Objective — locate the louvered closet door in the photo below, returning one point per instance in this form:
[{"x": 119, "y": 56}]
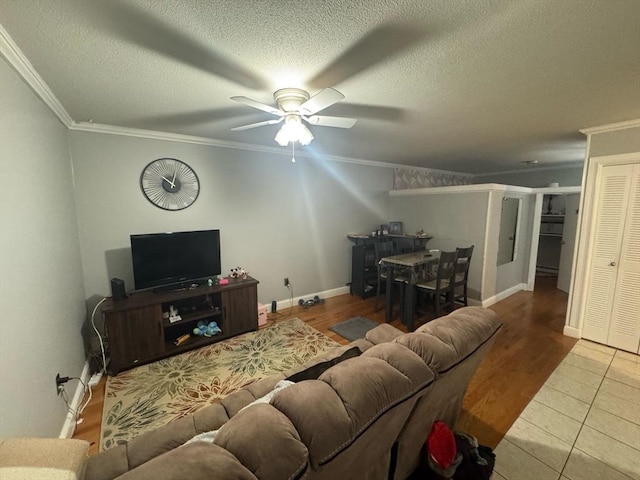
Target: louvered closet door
[
  {"x": 624, "y": 331},
  {"x": 611, "y": 307}
]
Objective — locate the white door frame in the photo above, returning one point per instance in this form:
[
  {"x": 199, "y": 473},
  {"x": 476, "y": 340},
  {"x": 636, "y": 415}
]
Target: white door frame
[
  {"x": 568, "y": 241},
  {"x": 535, "y": 231},
  {"x": 584, "y": 242}
]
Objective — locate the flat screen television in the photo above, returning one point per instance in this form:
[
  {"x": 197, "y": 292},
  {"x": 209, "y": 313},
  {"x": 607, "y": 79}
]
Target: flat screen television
[{"x": 165, "y": 259}]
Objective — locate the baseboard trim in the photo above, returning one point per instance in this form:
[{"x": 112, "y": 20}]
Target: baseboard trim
[
  {"x": 570, "y": 331},
  {"x": 334, "y": 292},
  {"x": 504, "y": 294},
  {"x": 69, "y": 426}
]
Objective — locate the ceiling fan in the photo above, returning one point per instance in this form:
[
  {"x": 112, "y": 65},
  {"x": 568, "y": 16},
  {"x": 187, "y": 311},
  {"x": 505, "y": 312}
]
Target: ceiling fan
[{"x": 296, "y": 106}]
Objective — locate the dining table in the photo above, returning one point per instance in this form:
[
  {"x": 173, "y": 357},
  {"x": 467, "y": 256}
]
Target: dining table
[{"x": 408, "y": 266}]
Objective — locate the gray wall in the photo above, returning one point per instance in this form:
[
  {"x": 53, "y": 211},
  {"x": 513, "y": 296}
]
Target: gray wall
[
  {"x": 41, "y": 289},
  {"x": 566, "y": 177},
  {"x": 277, "y": 219},
  {"x": 453, "y": 219}
]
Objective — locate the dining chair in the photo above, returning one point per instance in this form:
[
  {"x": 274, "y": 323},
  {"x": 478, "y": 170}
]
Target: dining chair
[
  {"x": 461, "y": 275},
  {"x": 441, "y": 287},
  {"x": 386, "y": 249},
  {"x": 382, "y": 249}
]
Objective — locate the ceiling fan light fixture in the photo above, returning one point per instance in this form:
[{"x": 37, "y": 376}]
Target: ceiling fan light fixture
[{"x": 293, "y": 130}]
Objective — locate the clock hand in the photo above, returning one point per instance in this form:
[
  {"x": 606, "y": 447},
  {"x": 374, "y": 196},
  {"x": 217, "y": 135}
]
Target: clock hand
[
  {"x": 173, "y": 185},
  {"x": 174, "y": 176}
]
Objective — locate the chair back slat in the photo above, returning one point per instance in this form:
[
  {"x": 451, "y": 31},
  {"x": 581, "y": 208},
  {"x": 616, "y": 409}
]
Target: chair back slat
[
  {"x": 383, "y": 249},
  {"x": 462, "y": 274},
  {"x": 446, "y": 268}
]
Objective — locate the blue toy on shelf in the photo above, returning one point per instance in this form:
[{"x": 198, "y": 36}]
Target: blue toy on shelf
[{"x": 207, "y": 330}]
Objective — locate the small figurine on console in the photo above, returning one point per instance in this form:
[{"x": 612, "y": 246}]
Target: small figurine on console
[{"x": 238, "y": 272}]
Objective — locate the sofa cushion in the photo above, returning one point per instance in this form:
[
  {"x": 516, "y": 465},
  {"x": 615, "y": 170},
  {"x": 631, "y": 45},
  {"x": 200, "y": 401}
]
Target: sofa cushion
[
  {"x": 313, "y": 371},
  {"x": 331, "y": 412},
  {"x": 197, "y": 461},
  {"x": 163, "y": 439},
  {"x": 210, "y": 418},
  {"x": 383, "y": 333},
  {"x": 446, "y": 341},
  {"x": 236, "y": 401},
  {"x": 265, "y": 441}
]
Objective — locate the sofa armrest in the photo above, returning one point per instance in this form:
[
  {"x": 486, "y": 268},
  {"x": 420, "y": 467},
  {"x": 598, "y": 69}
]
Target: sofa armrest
[{"x": 43, "y": 458}]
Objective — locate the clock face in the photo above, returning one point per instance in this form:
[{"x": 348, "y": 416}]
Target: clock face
[{"x": 169, "y": 184}]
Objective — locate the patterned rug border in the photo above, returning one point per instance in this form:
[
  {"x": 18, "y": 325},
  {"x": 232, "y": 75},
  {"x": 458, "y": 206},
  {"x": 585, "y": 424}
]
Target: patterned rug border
[{"x": 151, "y": 395}]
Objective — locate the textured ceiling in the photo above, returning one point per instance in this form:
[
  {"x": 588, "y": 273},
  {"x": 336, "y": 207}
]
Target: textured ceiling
[{"x": 462, "y": 85}]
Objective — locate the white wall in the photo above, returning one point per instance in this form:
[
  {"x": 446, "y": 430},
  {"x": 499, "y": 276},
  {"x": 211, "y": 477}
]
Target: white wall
[
  {"x": 41, "y": 289},
  {"x": 515, "y": 273},
  {"x": 277, "y": 219},
  {"x": 454, "y": 220}
]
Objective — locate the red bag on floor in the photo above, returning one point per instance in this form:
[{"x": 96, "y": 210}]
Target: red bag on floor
[{"x": 442, "y": 450}]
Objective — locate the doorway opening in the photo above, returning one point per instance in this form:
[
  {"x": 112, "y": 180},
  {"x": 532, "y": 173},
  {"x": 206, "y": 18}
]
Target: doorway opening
[{"x": 554, "y": 238}]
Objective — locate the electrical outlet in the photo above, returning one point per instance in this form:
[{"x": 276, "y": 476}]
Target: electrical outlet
[
  {"x": 59, "y": 384},
  {"x": 286, "y": 282},
  {"x": 60, "y": 381}
]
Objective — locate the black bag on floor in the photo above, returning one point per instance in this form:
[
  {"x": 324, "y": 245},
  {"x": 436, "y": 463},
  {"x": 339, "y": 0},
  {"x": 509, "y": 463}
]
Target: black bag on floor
[{"x": 477, "y": 460}]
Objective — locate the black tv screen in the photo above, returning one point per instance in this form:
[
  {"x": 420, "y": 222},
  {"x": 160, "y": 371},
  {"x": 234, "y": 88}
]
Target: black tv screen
[{"x": 161, "y": 259}]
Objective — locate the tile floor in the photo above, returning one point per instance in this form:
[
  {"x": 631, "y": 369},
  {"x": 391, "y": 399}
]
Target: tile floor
[{"x": 583, "y": 424}]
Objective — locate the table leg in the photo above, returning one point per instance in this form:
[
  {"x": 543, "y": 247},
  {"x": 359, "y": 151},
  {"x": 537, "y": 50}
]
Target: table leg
[
  {"x": 409, "y": 296},
  {"x": 388, "y": 294}
]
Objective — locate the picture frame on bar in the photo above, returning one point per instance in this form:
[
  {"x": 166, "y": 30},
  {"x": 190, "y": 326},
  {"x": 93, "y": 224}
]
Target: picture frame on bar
[{"x": 395, "y": 228}]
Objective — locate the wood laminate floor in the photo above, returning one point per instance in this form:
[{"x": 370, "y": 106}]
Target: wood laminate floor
[{"x": 527, "y": 350}]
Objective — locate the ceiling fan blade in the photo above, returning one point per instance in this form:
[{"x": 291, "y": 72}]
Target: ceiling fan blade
[
  {"x": 321, "y": 100},
  {"x": 325, "y": 121},
  {"x": 141, "y": 28},
  {"x": 260, "y": 106},
  {"x": 196, "y": 117},
  {"x": 375, "y": 47},
  {"x": 371, "y": 112},
  {"x": 259, "y": 124}
]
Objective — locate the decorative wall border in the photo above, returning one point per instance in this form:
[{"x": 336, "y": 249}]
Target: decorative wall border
[{"x": 406, "y": 178}]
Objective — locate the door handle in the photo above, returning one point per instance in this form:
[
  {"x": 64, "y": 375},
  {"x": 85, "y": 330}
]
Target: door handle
[{"x": 612, "y": 264}]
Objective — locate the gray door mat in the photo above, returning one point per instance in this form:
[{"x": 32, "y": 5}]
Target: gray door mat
[{"x": 354, "y": 328}]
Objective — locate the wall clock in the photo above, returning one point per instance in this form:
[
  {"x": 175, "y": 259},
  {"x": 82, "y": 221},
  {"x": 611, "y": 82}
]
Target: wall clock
[{"x": 169, "y": 184}]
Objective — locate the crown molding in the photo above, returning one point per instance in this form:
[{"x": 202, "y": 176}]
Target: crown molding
[
  {"x": 14, "y": 56},
  {"x": 534, "y": 169},
  {"x": 308, "y": 152},
  {"x": 611, "y": 127}
]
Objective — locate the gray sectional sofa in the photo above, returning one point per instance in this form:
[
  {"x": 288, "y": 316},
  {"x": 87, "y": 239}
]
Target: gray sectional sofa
[{"x": 365, "y": 417}]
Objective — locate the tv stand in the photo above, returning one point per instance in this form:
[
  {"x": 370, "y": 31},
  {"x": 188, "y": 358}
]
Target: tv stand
[
  {"x": 174, "y": 287},
  {"x": 138, "y": 330}
]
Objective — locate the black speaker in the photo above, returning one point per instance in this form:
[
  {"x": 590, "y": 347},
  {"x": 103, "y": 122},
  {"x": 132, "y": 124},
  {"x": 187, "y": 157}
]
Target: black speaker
[
  {"x": 274, "y": 306},
  {"x": 117, "y": 289}
]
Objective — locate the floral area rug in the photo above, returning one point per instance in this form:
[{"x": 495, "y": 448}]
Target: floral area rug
[{"x": 146, "y": 397}]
